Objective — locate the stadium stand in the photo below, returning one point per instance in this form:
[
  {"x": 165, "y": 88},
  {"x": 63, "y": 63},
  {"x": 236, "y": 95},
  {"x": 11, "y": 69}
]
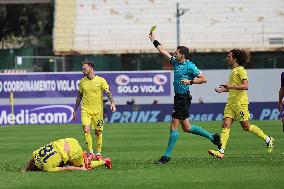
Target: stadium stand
[
  {"x": 24, "y": 1},
  {"x": 64, "y": 25},
  {"x": 100, "y": 26}
]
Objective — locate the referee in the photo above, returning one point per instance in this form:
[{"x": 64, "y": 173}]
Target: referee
[{"x": 186, "y": 74}]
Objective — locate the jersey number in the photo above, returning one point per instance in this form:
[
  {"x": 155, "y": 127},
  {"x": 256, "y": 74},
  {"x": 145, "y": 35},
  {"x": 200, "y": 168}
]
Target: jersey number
[
  {"x": 46, "y": 152},
  {"x": 100, "y": 123}
]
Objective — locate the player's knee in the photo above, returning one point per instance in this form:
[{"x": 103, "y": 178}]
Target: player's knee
[
  {"x": 185, "y": 129},
  {"x": 245, "y": 128},
  {"x": 226, "y": 125},
  {"x": 86, "y": 130},
  {"x": 98, "y": 132},
  {"x": 245, "y": 125}
]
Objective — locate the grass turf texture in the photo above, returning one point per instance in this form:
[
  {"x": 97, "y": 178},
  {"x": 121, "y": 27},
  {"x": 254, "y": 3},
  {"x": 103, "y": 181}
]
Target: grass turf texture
[{"x": 133, "y": 149}]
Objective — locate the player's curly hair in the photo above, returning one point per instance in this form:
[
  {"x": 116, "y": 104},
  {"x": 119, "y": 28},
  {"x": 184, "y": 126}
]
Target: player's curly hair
[
  {"x": 31, "y": 166},
  {"x": 184, "y": 51},
  {"x": 242, "y": 56},
  {"x": 90, "y": 63}
]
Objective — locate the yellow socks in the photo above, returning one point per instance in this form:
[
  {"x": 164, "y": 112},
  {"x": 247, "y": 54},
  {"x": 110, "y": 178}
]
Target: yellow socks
[
  {"x": 99, "y": 142},
  {"x": 254, "y": 129},
  {"x": 224, "y": 137},
  {"x": 96, "y": 163},
  {"x": 89, "y": 142}
]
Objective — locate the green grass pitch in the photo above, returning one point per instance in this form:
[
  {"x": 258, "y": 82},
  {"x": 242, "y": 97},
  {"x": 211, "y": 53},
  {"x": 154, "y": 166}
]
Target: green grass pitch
[{"x": 133, "y": 149}]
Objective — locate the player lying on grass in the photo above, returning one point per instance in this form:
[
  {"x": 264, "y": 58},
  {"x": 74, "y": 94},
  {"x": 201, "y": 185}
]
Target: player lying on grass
[
  {"x": 237, "y": 103},
  {"x": 62, "y": 155}
]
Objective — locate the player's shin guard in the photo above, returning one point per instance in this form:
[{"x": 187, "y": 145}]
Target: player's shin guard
[
  {"x": 89, "y": 142},
  {"x": 172, "y": 141},
  {"x": 225, "y": 134},
  {"x": 99, "y": 142},
  {"x": 96, "y": 163},
  {"x": 194, "y": 129},
  {"x": 254, "y": 129}
]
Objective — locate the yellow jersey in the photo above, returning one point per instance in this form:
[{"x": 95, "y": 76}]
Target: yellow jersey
[
  {"x": 51, "y": 156},
  {"x": 92, "y": 91},
  {"x": 236, "y": 77}
]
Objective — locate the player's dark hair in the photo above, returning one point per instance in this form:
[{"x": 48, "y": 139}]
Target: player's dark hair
[
  {"x": 90, "y": 63},
  {"x": 184, "y": 51},
  {"x": 242, "y": 56},
  {"x": 31, "y": 166}
]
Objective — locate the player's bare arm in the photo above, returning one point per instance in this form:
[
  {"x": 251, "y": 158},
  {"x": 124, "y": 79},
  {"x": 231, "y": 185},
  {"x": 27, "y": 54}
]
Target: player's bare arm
[
  {"x": 160, "y": 47},
  {"x": 221, "y": 89},
  {"x": 200, "y": 78},
  {"x": 78, "y": 101},
  {"x": 243, "y": 86},
  {"x": 71, "y": 168},
  {"x": 112, "y": 104}
]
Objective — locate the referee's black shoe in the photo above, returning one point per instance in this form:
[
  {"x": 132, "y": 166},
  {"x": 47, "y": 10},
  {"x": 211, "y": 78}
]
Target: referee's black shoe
[
  {"x": 217, "y": 140},
  {"x": 163, "y": 160}
]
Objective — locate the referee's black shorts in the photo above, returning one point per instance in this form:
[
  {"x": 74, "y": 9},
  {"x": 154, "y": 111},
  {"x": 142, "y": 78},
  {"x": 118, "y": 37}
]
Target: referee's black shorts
[{"x": 181, "y": 106}]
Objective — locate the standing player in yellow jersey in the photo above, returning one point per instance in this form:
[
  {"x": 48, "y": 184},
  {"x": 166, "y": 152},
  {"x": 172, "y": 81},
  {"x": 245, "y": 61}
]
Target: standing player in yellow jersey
[
  {"x": 237, "y": 104},
  {"x": 62, "y": 155},
  {"x": 91, "y": 90}
]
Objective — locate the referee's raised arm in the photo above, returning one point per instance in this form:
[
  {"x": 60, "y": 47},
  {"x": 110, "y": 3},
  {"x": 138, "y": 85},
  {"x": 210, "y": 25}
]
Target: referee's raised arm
[{"x": 160, "y": 48}]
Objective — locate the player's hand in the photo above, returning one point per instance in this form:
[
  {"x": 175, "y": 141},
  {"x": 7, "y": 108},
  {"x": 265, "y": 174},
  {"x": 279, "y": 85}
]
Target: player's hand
[
  {"x": 88, "y": 166},
  {"x": 113, "y": 107},
  {"x": 74, "y": 116},
  {"x": 185, "y": 81},
  {"x": 83, "y": 168},
  {"x": 225, "y": 85},
  {"x": 152, "y": 36},
  {"x": 220, "y": 89}
]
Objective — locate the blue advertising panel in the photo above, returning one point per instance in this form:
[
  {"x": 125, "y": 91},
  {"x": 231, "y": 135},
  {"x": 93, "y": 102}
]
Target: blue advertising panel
[
  {"x": 62, "y": 114},
  {"x": 38, "y": 114},
  {"x": 198, "y": 112},
  {"x": 140, "y": 83},
  {"x": 66, "y": 85}
]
